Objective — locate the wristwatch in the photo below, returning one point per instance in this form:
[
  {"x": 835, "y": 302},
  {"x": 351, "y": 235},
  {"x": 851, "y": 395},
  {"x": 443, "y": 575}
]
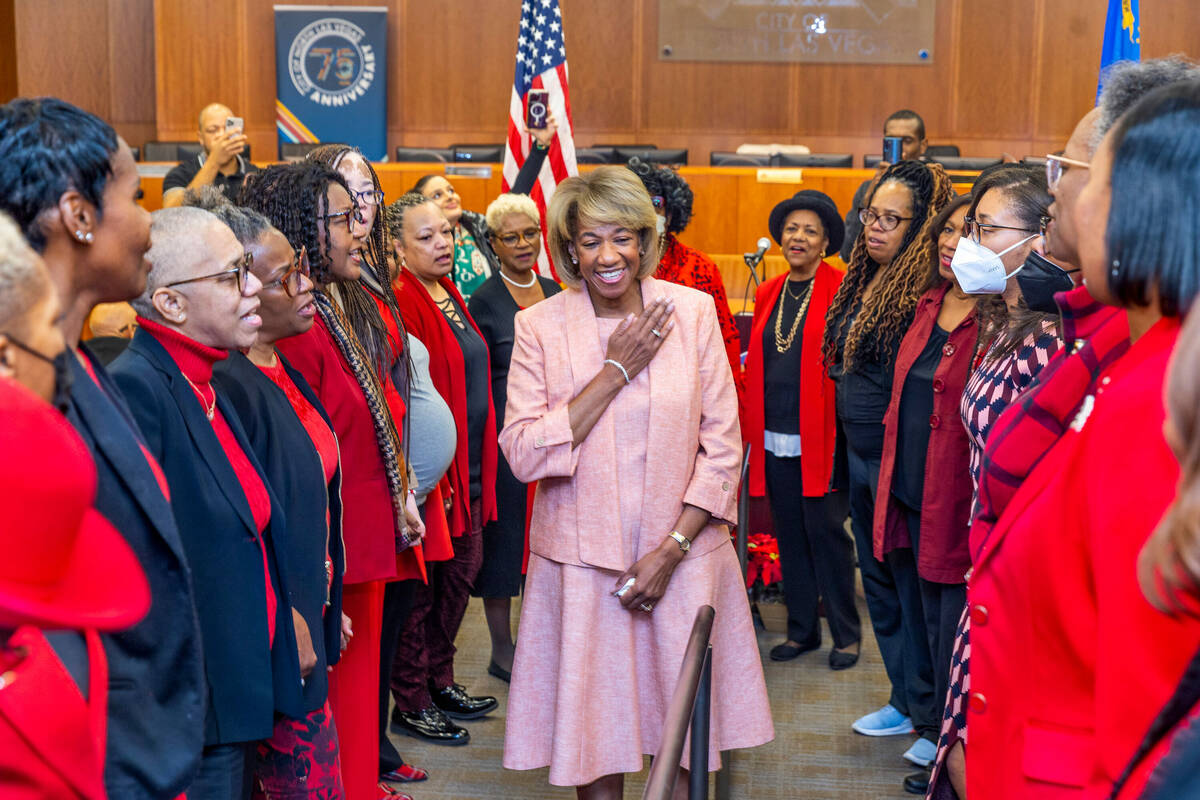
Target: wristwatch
[{"x": 684, "y": 543}]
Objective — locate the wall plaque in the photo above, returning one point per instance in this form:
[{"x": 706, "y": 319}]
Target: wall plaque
[{"x": 819, "y": 31}]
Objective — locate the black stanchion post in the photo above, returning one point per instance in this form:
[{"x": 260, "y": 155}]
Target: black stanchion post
[{"x": 698, "y": 777}]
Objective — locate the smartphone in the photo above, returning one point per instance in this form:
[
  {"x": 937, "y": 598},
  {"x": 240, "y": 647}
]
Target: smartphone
[
  {"x": 537, "y": 108},
  {"x": 892, "y": 149},
  {"x": 235, "y": 122}
]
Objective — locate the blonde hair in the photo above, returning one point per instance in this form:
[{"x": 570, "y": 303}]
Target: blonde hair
[
  {"x": 607, "y": 195},
  {"x": 1169, "y": 564},
  {"x": 510, "y": 203}
]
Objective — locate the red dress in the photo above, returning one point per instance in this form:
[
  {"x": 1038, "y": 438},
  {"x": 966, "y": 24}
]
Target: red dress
[
  {"x": 1069, "y": 662},
  {"x": 689, "y": 267}
]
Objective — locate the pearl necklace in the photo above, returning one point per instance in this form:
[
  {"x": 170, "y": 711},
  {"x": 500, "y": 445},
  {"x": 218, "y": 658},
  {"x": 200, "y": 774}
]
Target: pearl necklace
[{"x": 532, "y": 280}]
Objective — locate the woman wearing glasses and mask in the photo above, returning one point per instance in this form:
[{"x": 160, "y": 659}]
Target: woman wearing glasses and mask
[
  {"x": 312, "y": 207},
  {"x": 516, "y": 237},
  {"x": 873, "y": 307}
]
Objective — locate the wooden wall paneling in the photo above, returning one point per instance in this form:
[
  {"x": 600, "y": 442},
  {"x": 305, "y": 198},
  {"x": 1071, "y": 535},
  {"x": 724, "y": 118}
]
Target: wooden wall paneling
[
  {"x": 607, "y": 70},
  {"x": 996, "y": 74},
  {"x": 8, "y": 51},
  {"x": 1068, "y": 64},
  {"x": 131, "y": 69},
  {"x": 199, "y": 48},
  {"x": 1170, "y": 26},
  {"x": 62, "y": 50}
]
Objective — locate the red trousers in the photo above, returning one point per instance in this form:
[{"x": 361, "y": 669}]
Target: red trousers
[{"x": 354, "y": 691}]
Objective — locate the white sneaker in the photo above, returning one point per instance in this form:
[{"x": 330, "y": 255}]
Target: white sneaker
[
  {"x": 921, "y": 753},
  {"x": 887, "y": 721}
]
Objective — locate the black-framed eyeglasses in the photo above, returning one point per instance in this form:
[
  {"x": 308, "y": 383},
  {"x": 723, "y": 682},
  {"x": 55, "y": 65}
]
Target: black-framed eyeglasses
[
  {"x": 1057, "y": 165},
  {"x": 240, "y": 271},
  {"x": 367, "y": 197},
  {"x": 887, "y": 222},
  {"x": 975, "y": 229},
  {"x": 290, "y": 280},
  {"x": 531, "y": 235},
  {"x": 351, "y": 215},
  {"x": 658, "y": 200}
]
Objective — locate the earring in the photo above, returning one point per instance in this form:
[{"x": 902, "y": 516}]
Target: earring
[
  {"x": 822, "y": 253},
  {"x": 1116, "y": 263},
  {"x": 79, "y": 235},
  {"x": 574, "y": 260},
  {"x": 87, "y": 237}
]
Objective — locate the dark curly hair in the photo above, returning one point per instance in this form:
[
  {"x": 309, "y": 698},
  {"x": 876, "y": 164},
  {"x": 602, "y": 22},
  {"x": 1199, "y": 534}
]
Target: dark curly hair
[
  {"x": 50, "y": 146},
  {"x": 248, "y": 225},
  {"x": 668, "y": 184},
  {"x": 376, "y": 262},
  {"x": 294, "y": 196},
  {"x": 880, "y": 324}
]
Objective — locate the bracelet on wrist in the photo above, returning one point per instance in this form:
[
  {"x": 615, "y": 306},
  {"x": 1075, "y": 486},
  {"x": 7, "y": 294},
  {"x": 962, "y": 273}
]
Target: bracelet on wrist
[
  {"x": 540, "y": 146},
  {"x": 619, "y": 366}
]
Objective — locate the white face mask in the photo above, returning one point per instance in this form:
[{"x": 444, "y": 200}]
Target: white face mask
[{"x": 979, "y": 270}]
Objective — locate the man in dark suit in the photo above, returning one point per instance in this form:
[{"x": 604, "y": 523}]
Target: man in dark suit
[
  {"x": 72, "y": 186},
  {"x": 199, "y": 303}
]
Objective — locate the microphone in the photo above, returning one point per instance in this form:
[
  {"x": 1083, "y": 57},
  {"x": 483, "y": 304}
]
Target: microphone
[{"x": 755, "y": 258}]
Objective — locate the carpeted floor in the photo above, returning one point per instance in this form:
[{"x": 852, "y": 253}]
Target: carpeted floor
[{"x": 815, "y": 755}]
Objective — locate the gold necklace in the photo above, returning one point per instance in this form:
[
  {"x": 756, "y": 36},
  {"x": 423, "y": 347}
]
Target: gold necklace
[
  {"x": 209, "y": 410},
  {"x": 782, "y": 344}
]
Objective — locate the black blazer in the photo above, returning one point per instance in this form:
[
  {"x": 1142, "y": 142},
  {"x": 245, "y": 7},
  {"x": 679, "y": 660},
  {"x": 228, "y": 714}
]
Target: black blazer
[
  {"x": 246, "y": 683},
  {"x": 156, "y": 700},
  {"x": 294, "y": 471}
]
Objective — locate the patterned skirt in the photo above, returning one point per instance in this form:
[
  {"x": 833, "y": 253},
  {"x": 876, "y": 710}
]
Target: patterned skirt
[
  {"x": 954, "y": 720},
  {"x": 300, "y": 760}
]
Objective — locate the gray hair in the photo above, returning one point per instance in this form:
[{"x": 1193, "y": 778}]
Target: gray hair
[
  {"x": 23, "y": 277},
  {"x": 247, "y": 224},
  {"x": 177, "y": 243},
  {"x": 510, "y": 203},
  {"x": 1126, "y": 82}
]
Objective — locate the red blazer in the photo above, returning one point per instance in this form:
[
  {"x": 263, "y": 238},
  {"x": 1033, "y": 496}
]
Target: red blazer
[
  {"x": 818, "y": 416},
  {"x": 368, "y": 521},
  {"x": 946, "y": 497},
  {"x": 52, "y": 740},
  {"x": 1069, "y": 663},
  {"x": 448, "y": 371}
]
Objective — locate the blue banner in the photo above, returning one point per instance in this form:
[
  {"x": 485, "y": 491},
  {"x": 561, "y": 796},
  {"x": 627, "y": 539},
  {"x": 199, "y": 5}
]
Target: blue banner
[
  {"x": 330, "y": 76},
  {"x": 1122, "y": 37}
]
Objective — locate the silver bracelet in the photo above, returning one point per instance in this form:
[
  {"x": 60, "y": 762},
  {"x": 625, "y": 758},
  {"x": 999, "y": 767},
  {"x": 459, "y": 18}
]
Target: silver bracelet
[{"x": 619, "y": 366}]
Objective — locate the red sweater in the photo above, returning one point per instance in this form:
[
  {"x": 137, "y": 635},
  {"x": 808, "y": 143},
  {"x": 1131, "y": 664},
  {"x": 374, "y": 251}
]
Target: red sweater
[
  {"x": 818, "y": 416},
  {"x": 196, "y": 361},
  {"x": 448, "y": 371}
]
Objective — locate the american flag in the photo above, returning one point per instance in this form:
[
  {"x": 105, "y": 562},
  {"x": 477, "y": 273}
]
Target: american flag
[{"x": 541, "y": 64}]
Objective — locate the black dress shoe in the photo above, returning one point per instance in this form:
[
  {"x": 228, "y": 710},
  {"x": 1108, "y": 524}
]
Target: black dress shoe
[
  {"x": 839, "y": 660},
  {"x": 455, "y": 701},
  {"x": 917, "y": 782},
  {"x": 431, "y": 725},
  {"x": 787, "y": 651},
  {"x": 497, "y": 671}
]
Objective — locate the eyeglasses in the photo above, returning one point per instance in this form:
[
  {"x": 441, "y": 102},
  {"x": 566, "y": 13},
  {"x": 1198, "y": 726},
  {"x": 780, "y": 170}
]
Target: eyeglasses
[
  {"x": 291, "y": 279},
  {"x": 1057, "y": 165},
  {"x": 240, "y": 271},
  {"x": 353, "y": 213},
  {"x": 531, "y": 235},
  {"x": 975, "y": 229},
  {"x": 367, "y": 197},
  {"x": 658, "y": 200},
  {"x": 887, "y": 222}
]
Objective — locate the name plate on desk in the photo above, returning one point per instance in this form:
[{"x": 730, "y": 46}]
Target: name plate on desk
[
  {"x": 472, "y": 171},
  {"x": 777, "y": 175}
]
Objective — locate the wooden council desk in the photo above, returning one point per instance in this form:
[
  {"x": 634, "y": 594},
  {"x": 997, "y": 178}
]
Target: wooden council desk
[{"x": 729, "y": 213}]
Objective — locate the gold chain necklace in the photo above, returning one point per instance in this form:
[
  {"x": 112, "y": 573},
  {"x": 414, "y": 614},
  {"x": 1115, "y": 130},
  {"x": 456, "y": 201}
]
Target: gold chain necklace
[
  {"x": 209, "y": 410},
  {"x": 782, "y": 344}
]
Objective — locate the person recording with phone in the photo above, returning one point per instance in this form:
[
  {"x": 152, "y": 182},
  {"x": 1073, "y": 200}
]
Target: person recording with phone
[{"x": 222, "y": 164}]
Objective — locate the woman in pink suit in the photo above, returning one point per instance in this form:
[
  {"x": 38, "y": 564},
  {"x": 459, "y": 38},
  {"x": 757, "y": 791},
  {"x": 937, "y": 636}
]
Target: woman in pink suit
[{"x": 621, "y": 403}]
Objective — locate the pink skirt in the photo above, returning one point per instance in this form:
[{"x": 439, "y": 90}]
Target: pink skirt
[{"x": 591, "y": 681}]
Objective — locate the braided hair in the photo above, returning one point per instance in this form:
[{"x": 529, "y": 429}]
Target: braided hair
[
  {"x": 362, "y": 311},
  {"x": 293, "y": 196},
  {"x": 879, "y": 325},
  {"x": 395, "y": 212}
]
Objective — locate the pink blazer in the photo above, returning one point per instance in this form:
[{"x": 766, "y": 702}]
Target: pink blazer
[{"x": 692, "y": 443}]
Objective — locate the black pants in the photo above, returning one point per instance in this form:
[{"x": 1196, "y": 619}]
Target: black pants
[
  {"x": 943, "y": 603},
  {"x": 924, "y": 703},
  {"x": 226, "y": 772},
  {"x": 864, "y": 451},
  {"x": 397, "y": 603},
  {"x": 816, "y": 555}
]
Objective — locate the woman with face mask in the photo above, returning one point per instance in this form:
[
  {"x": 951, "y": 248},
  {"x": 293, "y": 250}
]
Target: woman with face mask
[
  {"x": 1069, "y": 662},
  {"x": 873, "y": 307},
  {"x": 1001, "y": 234}
]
